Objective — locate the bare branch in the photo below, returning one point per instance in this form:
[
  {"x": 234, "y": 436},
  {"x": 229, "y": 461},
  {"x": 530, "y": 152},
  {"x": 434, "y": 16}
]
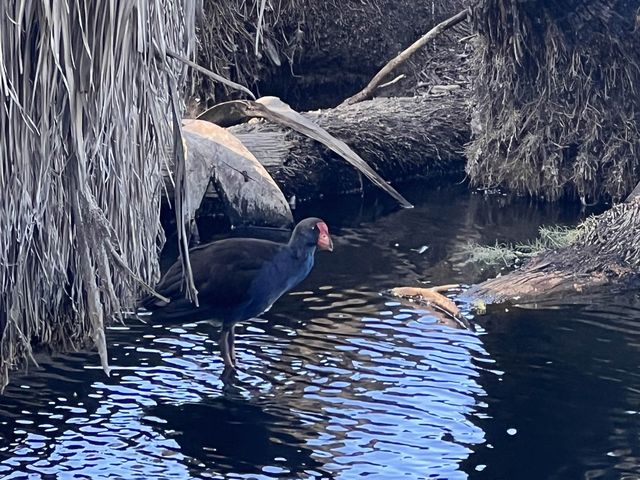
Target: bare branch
[{"x": 367, "y": 92}]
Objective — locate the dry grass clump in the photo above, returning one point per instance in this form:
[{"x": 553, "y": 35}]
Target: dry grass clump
[
  {"x": 556, "y": 98},
  {"x": 85, "y": 132}
]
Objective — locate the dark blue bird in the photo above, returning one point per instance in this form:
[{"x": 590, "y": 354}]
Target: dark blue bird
[{"x": 240, "y": 278}]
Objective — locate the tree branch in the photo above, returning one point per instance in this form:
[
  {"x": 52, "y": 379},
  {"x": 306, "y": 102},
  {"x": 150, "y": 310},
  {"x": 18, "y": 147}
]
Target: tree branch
[{"x": 367, "y": 92}]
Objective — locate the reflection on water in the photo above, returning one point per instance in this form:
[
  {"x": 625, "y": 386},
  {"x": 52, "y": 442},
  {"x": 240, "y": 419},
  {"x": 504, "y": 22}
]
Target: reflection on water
[
  {"x": 572, "y": 392},
  {"x": 375, "y": 388},
  {"x": 233, "y": 435},
  {"x": 339, "y": 381}
]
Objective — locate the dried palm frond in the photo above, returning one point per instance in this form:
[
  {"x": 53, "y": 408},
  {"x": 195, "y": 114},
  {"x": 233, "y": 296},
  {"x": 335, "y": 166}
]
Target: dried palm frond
[
  {"x": 556, "y": 98},
  {"x": 85, "y": 126}
]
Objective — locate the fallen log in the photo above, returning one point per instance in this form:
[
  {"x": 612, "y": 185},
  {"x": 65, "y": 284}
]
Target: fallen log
[
  {"x": 607, "y": 253},
  {"x": 276, "y": 111},
  {"x": 400, "y": 138}
]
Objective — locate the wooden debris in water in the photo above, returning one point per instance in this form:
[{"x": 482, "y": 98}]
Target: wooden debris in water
[{"x": 431, "y": 297}]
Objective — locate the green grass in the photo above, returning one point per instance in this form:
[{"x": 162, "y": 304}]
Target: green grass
[{"x": 510, "y": 255}]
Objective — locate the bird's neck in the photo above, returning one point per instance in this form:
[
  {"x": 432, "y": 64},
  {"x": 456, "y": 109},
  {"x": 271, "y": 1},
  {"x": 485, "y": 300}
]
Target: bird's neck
[{"x": 301, "y": 252}]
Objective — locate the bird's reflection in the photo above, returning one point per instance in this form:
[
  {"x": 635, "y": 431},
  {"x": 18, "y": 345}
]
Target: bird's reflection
[{"x": 228, "y": 435}]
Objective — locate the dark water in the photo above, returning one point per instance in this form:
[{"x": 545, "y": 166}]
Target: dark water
[{"x": 339, "y": 381}]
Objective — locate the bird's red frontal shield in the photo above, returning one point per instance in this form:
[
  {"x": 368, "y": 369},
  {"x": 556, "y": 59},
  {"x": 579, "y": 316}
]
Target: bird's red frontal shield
[{"x": 324, "y": 240}]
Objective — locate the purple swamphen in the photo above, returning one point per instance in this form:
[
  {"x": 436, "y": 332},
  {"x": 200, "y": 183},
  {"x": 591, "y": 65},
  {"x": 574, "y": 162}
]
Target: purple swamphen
[{"x": 239, "y": 278}]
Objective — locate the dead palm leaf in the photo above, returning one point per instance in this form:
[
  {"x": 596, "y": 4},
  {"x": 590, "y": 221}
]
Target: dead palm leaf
[{"x": 84, "y": 134}]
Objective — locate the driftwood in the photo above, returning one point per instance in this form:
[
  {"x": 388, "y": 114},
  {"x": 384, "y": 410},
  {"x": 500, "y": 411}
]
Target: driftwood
[
  {"x": 400, "y": 138},
  {"x": 431, "y": 296},
  {"x": 445, "y": 310}
]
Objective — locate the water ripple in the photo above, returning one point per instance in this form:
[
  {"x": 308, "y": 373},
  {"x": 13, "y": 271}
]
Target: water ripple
[{"x": 337, "y": 381}]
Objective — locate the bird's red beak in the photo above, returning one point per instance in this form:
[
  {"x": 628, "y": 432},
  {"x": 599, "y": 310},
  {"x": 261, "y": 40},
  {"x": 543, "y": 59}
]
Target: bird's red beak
[{"x": 324, "y": 240}]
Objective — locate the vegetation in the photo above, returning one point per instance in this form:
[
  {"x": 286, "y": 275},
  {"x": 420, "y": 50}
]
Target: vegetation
[
  {"x": 555, "y": 98},
  {"x": 92, "y": 113},
  {"x": 605, "y": 251},
  {"x": 511, "y": 255},
  {"x": 318, "y": 53},
  {"x": 85, "y": 135},
  {"x": 555, "y": 113}
]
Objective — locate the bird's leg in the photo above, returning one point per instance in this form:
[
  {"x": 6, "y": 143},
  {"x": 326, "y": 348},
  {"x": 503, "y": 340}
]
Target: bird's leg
[
  {"x": 231, "y": 337},
  {"x": 224, "y": 347}
]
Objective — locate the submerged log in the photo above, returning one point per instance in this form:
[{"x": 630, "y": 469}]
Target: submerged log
[
  {"x": 400, "y": 138},
  {"x": 431, "y": 297}
]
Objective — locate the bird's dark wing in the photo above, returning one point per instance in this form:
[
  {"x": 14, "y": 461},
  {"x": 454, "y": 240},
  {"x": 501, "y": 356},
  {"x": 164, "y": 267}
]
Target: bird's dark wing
[{"x": 222, "y": 272}]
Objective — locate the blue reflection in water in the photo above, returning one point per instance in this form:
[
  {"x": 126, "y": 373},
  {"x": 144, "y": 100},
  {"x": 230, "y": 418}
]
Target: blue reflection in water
[
  {"x": 336, "y": 382},
  {"x": 385, "y": 395},
  {"x": 403, "y": 405}
]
